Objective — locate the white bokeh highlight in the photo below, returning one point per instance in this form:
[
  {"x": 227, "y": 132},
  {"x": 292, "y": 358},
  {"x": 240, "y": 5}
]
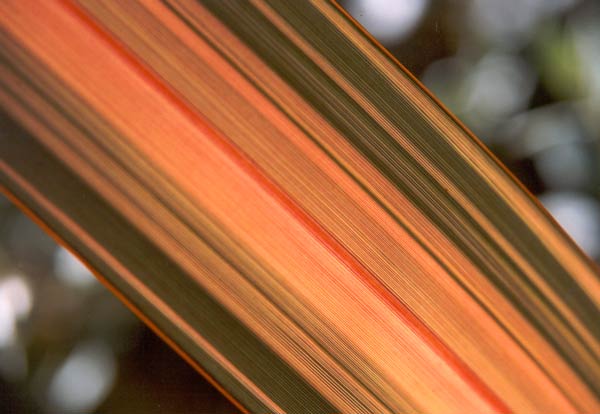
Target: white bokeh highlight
[
  {"x": 389, "y": 21},
  {"x": 84, "y": 379}
]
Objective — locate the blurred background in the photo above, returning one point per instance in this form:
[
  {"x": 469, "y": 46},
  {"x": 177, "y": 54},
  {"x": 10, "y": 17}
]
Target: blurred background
[{"x": 524, "y": 75}]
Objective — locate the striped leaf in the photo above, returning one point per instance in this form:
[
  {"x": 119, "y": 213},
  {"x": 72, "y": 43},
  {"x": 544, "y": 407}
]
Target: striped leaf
[{"x": 291, "y": 210}]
